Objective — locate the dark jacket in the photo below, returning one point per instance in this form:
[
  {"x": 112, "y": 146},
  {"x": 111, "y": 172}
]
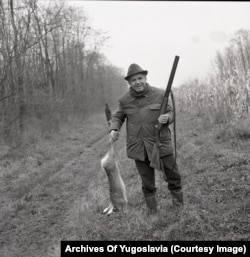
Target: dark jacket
[{"x": 141, "y": 114}]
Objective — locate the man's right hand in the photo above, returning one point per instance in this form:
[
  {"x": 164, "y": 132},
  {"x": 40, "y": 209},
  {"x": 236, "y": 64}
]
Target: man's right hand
[{"x": 114, "y": 135}]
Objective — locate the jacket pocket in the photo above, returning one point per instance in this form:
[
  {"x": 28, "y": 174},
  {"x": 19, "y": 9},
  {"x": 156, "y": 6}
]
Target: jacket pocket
[{"x": 153, "y": 113}]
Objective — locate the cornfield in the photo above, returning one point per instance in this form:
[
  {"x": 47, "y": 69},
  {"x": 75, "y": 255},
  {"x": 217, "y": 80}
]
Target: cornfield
[{"x": 225, "y": 92}]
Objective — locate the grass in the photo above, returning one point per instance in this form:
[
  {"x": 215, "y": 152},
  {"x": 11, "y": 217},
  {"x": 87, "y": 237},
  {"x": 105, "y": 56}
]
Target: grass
[
  {"x": 216, "y": 191},
  {"x": 54, "y": 189}
]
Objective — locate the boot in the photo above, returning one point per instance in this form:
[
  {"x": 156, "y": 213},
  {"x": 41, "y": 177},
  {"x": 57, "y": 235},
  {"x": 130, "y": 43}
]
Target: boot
[
  {"x": 177, "y": 197},
  {"x": 151, "y": 204}
]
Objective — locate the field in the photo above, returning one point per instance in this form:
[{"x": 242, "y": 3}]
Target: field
[{"x": 55, "y": 190}]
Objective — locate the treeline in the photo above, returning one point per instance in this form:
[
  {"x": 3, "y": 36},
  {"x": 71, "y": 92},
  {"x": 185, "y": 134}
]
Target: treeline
[
  {"x": 50, "y": 68},
  {"x": 225, "y": 94}
]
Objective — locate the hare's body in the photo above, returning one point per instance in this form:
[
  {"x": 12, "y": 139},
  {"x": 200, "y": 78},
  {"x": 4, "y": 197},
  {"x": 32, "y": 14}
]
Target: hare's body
[{"x": 117, "y": 189}]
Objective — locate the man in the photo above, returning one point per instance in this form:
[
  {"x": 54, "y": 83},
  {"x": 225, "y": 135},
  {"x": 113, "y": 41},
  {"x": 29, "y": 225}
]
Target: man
[{"x": 140, "y": 108}]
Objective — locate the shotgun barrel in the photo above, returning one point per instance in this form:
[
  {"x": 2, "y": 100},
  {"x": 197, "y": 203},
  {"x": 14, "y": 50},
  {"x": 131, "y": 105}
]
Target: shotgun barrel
[{"x": 155, "y": 159}]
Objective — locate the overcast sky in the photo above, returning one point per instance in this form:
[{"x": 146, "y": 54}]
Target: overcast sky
[{"x": 151, "y": 33}]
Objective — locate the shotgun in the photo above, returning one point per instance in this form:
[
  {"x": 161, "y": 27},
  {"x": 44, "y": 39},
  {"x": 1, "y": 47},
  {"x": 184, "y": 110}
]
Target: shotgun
[{"x": 156, "y": 162}]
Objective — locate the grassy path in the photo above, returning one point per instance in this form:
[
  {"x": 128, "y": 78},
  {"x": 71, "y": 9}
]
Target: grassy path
[
  {"x": 55, "y": 190},
  {"x": 41, "y": 187}
]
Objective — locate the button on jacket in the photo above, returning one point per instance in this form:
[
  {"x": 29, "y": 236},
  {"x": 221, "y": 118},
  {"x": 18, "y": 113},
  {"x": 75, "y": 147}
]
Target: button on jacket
[{"x": 141, "y": 115}]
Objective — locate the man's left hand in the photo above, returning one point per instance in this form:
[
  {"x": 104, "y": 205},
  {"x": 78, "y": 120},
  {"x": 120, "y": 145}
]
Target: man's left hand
[{"x": 164, "y": 118}]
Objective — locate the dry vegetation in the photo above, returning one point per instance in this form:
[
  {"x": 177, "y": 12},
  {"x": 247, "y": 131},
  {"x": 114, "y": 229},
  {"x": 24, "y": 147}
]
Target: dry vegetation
[{"x": 52, "y": 140}]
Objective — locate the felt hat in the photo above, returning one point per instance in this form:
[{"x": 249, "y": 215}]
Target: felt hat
[{"x": 135, "y": 69}]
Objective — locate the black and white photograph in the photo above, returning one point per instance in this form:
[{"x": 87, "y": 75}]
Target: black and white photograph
[{"x": 124, "y": 121}]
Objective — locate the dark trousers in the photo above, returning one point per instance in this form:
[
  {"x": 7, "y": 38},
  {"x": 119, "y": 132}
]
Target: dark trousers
[{"x": 173, "y": 177}]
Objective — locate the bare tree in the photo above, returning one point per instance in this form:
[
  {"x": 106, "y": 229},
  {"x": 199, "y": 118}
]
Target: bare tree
[{"x": 50, "y": 68}]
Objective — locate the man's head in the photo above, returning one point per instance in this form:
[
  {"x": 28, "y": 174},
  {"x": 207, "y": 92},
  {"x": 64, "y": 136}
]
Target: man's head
[{"x": 136, "y": 77}]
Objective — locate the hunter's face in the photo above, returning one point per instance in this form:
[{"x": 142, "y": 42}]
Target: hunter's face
[{"x": 138, "y": 82}]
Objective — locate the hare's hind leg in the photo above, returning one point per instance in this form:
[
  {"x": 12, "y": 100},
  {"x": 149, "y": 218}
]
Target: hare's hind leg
[{"x": 109, "y": 209}]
